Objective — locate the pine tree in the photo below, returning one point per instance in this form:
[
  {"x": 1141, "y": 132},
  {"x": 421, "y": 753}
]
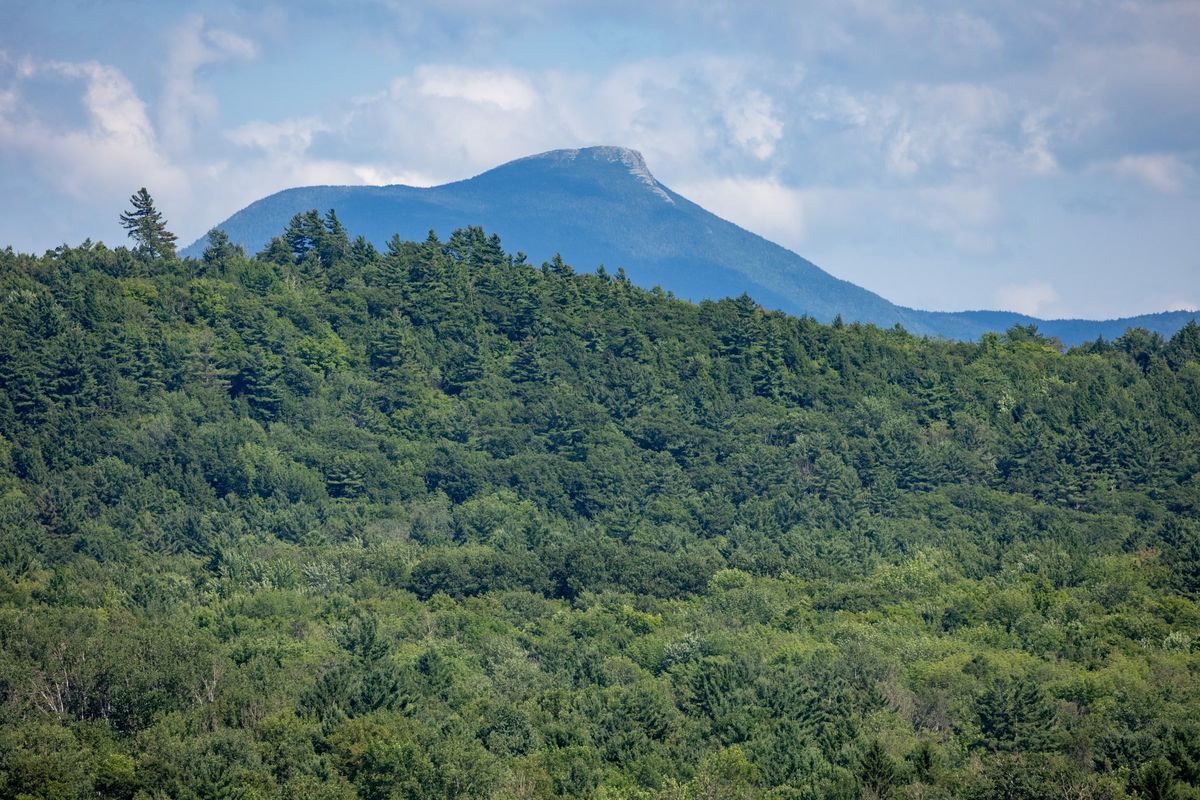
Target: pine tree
[
  {"x": 147, "y": 227},
  {"x": 1184, "y": 346},
  {"x": 220, "y": 250},
  {"x": 1155, "y": 781},
  {"x": 258, "y": 381},
  {"x": 1014, "y": 716},
  {"x": 877, "y": 771},
  {"x": 304, "y": 233},
  {"x": 276, "y": 252},
  {"x": 924, "y": 762},
  {"x": 334, "y": 243},
  {"x": 362, "y": 252}
]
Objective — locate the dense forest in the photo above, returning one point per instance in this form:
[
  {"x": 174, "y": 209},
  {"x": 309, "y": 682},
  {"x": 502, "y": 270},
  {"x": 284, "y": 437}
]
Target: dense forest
[{"x": 329, "y": 522}]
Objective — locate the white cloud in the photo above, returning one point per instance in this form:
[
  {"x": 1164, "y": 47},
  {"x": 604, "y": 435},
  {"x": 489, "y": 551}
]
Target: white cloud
[
  {"x": 1036, "y": 157},
  {"x": 900, "y": 157},
  {"x": 762, "y": 205},
  {"x": 117, "y": 113},
  {"x": 830, "y": 103},
  {"x": 924, "y": 130},
  {"x": 505, "y": 90},
  {"x": 442, "y": 123},
  {"x": 116, "y": 147},
  {"x": 1163, "y": 173},
  {"x": 1026, "y": 298},
  {"x": 193, "y": 46},
  {"x": 289, "y": 137},
  {"x": 378, "y": 176},
  {"x": 227, "y": 44},
  {"x": 753, "y": 123},
  {"x": 1179, "y": 304}
]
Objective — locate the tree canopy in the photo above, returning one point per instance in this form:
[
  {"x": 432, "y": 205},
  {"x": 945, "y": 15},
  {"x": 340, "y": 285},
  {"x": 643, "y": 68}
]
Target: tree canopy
[{"x": 440, "y": 523}]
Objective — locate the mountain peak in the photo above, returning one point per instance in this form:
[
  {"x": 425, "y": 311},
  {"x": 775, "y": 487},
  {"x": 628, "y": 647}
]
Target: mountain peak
[
  {"x": 602, "y": 205},
  {"x": 601, "y": 153},
  {"x": 624, "y": 157}
]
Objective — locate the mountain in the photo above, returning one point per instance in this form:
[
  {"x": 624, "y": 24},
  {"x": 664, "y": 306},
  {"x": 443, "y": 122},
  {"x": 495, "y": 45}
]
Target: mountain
[{"x": 601, "y": 205}]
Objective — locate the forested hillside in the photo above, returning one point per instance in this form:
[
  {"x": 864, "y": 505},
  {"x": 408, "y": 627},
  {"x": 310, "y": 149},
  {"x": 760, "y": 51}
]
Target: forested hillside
[
  {"x": 601, "y": 205},
  {"x": 436, "y": 523}
]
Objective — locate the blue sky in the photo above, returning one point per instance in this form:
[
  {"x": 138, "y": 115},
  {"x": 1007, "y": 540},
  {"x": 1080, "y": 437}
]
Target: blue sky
[{"x": 1042, "y": 157}]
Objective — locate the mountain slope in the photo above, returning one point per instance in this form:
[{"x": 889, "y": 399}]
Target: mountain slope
[{"x": 602, "y": 205}]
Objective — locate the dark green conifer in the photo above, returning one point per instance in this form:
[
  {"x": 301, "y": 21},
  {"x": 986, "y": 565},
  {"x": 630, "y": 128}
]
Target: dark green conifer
[
  {"x": 1014, "y": 716},
  {"x": 220, "y": 251},
  {"x": 147, "y": 227},
  {"x": 877, "y": 771}
]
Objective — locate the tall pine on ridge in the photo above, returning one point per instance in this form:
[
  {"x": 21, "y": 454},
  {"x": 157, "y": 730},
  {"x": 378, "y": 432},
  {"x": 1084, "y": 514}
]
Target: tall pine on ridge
[{"x": 147, "y": 227}]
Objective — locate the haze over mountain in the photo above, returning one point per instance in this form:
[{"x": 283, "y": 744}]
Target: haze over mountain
[{"x": 602, "y": 205}]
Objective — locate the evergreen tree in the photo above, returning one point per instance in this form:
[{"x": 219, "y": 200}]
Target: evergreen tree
[
  {"x": 147, "y": 227},
  {"x": 220, "y": 250},
  {"x": 877, "y": 772},
  {"x": 924, "y": 762},
  {"x": 304, "y": 233},
  {"x": 1154, "y": 781},
  {"x": 334, "y": 242},
  {"x": 1184, "y": 346},
  {"x": 259, "y": 382},
  {"x": 276, "y": 252},
  {"x": 1014, "y": 716}
]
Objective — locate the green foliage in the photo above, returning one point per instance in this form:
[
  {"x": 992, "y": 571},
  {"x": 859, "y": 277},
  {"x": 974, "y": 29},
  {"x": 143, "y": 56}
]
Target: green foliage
[
  {"x": 147, "y": 227},
  {"x": 435, "y": 522},
  {"x": 877, "y": 771},
  {"x": 1155, "y": 781},
  {"x": 1014, "y": 716}
]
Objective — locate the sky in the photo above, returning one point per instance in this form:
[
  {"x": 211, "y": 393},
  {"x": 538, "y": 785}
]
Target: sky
[{"x": 1037, "y": 157}]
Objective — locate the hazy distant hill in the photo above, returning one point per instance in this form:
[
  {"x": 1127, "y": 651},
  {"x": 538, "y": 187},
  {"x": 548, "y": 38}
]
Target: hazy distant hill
[{"x": 602, "y": 205}]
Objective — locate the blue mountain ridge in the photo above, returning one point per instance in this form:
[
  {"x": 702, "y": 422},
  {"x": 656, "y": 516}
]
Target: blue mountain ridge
[{"x": 601, "y": 205}]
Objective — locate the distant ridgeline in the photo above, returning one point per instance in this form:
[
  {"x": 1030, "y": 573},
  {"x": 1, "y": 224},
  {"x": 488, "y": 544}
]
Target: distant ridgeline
[
  {"x": 601, "y": 205},
  {"x": 433, "y": 522}
]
